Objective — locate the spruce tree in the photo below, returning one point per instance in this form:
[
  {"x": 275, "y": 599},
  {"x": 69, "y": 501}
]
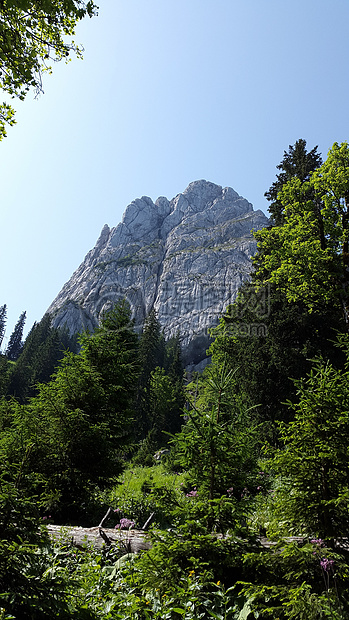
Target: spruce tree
[
  {"x": 15, "y": 345},
  {"x": 290, "y": 333},
  {"x": 160, "y": 397},
  {"x": 173, "y": 357},
  {"x": 175, "y": 370},
  {"x": 43, "y": 348},
  {"x": 112, "y": 351},
  {"x": 151, "y": 346},
  {"x": 313, "y": 486},
  {"x": 267, "y": 361},
  {"x": 166, "y": 395},
  {"x": 218, "y": 443},
  {"x": 77, "y": 427},
  {"x": 150, "y": 355},
  {"x": 297, "y": 163}
]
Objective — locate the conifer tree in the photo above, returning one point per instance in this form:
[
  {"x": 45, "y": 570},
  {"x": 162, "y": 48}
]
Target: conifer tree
[
  {"x": 218, "y": 442},
  {"x": 312, "y": 495},
  {"x": 173, "y": 357},
  {"x": 77, "y": 427},
  {"x": 297, "y": 163},
  {"x": 112, "y": 351},
  {"x": 160, "y": 397},
  {"x": 15, "y": 345},
  {"x": 4, "y": 375},
  {"x": 2, "y": 322},
  {"x": 291, "y": 333},
  {"x": 265, "y": 363},
  {"x": 43, "y": 348},
  {"x": 307, "y": 256},
  {"x": 175, "y": 371},
  {"x": 150, "y": 346},
  {"x": 150, "y": 355},
  {"x": 166, "y": 394}
]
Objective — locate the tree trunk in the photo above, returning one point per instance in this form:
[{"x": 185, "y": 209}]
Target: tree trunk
[{"x": 129, "y": 541}]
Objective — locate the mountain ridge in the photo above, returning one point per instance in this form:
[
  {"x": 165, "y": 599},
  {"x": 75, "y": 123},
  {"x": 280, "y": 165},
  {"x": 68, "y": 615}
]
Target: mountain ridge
[{"x": 185, "y": 257}]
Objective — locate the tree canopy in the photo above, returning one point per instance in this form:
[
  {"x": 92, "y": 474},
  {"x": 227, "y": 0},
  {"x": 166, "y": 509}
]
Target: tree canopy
[
  {"x": 306, "y": 256},
  {"x": 296, "y": 163},
  {"x": 33, "y": 34},
  {"x": 313, "y": 465},
  {"x": 15, "y": 344},
  {"x": 260, "y": 450},
  {"x": 75, "y": 430},
  {"x": 292, "y": 271}
]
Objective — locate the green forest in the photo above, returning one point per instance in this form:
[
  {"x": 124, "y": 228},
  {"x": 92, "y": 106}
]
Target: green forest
[{"x": 240, "y": 473}]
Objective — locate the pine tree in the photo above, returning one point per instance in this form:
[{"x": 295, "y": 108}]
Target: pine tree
[{"x": 15, "y": 345}]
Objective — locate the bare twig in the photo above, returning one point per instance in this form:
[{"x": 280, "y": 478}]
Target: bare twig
[
  {"x": 105, "y": 516},
  {"x": 148, "y": 521}
]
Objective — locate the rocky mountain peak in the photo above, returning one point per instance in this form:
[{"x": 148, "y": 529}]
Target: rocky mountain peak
[{"x": 185, "y": 257}]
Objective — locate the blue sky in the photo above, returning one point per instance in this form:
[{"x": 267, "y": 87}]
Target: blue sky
[{"x": 169, "y": 91}]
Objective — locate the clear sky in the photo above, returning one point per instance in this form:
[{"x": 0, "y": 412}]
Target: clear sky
[{"x": 169, "y": 91}]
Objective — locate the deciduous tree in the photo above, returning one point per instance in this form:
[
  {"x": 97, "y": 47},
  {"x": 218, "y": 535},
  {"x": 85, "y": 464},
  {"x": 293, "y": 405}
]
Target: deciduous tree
[
  {"x": 33, "y": 34},
  {"x": 306, "y": 257}
]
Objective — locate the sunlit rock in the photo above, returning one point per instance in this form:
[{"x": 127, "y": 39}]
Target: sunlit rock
[{"x": 186, "y": 258}]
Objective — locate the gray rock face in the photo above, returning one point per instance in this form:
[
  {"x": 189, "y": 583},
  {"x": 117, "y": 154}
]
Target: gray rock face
[{"x": 185, "y": 257}]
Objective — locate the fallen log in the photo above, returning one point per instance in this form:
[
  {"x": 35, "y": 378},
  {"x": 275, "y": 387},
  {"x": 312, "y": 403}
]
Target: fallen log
[{"x": 129, "y": 541}]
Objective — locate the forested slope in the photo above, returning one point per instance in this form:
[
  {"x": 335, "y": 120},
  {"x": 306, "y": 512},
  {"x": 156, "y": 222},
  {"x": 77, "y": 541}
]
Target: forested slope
[{"x": 256, "y": 446}]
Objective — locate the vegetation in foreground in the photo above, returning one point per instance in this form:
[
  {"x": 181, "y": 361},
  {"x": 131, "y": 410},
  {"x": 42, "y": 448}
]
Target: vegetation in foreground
[{"x": 249, "y": 500}]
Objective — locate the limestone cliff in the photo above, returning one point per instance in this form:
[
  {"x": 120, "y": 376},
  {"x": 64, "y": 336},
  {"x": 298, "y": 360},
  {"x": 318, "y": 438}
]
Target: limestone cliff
[{"x": 185, "y": 257}]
